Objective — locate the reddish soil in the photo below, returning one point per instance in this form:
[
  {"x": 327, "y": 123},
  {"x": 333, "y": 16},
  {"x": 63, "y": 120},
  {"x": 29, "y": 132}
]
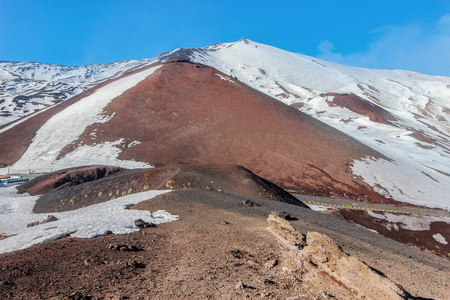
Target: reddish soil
[
  {"x": 185, "y": 114},
  {"x": 422, "y": 137},
  {"x": 422, "y": 240},
  {"x": 361, "y": 106},
  {"x": 81, "y": 192}
]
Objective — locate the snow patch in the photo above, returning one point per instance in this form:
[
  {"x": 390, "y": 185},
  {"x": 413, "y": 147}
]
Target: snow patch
[
  {"x": 105, "y": 119},
  {"x": 104, "y": 154},
  {"x": 440, "y": 239},
  {"x": 318, "y": 207},
  {"x": 402, "y": 181},
  {"x": 224, "y": 78},
  {"x": 134, "y": 143},
  {"x": 371, "y": 230},
  {"x": 16, "y": 213}
]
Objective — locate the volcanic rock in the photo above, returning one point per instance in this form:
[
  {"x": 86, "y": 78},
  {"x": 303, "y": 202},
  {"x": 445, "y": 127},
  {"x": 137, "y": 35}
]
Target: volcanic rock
[
  {"x": 33, "y": 224},
  {"x": 248, "y": 203},
  {"x": 334, "y": 272},
  {"x": 142, "y": 224},
  {"x": 362, "y": 107},
  {"x": 65, "y": 178},
  {"x": 282, "y": 214},
  {"x": 50, "y": 218}
]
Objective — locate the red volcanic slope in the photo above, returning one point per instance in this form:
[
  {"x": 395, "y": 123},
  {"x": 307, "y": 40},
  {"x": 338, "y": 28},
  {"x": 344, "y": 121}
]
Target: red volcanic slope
[
  {"x": 362, "y": 107},
  {"x": 185, "y": 113}
]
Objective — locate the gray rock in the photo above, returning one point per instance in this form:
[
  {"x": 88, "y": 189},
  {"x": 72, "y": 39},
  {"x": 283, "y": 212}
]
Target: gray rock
[
  {"x": 248, "y": 203},
  {"x": 50, "y": 218},
  {"x": 282, "y": 214},
  {"x": 142, "y": 224}
]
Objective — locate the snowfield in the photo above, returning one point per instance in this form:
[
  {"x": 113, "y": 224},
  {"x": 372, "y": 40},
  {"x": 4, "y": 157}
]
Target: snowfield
[{"x": 16, "y": 213}]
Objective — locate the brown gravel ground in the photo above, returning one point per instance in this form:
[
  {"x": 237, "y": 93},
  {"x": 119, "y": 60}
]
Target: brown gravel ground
[{"x": 216, "y": 244}]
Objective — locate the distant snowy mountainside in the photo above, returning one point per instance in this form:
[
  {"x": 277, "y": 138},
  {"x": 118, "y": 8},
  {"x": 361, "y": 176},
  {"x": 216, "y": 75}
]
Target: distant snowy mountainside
[{"x": 27, "y": 87}]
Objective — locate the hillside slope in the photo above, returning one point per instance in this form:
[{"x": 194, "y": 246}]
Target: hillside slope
[
  {"x": 185, "y": 113},
  {"x": 403, "y": 115}
]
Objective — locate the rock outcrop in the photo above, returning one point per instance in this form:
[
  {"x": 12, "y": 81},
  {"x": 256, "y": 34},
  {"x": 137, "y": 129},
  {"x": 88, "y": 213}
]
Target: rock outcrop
[{"x": 321, "y": 264}]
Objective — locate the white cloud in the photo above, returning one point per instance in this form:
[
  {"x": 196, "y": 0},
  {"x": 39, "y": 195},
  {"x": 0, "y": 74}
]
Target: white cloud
[
  {"x": 414, "y": 47},
  {"x": 326, "y": 50}
]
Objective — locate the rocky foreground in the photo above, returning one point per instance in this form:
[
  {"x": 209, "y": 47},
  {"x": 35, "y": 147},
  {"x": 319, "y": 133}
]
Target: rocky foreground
[{"x": 226, "y": 247}]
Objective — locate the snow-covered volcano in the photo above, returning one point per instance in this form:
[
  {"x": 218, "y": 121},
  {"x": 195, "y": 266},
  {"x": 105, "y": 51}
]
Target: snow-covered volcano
[{"x": 402, "y": 115}]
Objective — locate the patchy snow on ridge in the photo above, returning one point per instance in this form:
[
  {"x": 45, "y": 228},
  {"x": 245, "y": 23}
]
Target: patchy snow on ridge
[
  {"x": 409, "y": 222},
  {"x": 402, "y": 182},
  {"x": 16, "y": 213},
  {"x": 224, "y": 78},
  {"x": 66, "y": 126},
  {"x": 103, "y": 154}
]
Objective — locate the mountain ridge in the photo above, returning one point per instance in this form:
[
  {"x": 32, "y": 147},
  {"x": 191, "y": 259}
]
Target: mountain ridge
[
  {"x": 188, "y": 113},
  {"x": 415, "y": 139}
]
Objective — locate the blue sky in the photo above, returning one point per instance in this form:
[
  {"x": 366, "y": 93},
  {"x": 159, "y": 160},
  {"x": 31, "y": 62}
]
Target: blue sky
[{"x": 412, "y": 35}]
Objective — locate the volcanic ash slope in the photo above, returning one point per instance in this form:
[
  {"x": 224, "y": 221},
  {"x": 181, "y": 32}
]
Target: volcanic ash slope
[{"x": 186, "y": 113}]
